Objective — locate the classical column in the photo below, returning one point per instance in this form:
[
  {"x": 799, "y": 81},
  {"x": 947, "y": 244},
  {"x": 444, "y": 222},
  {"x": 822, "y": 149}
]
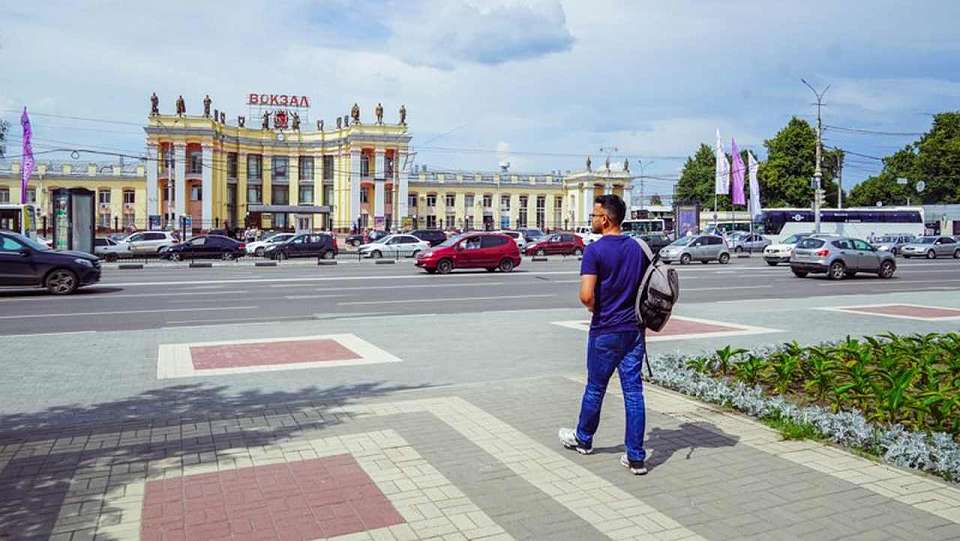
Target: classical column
[
  {"x": 206, "y": 188},
  {"x": 379, "y": 184},
  {"x": 180, "y": 180},
  {"x": 354, "y": 180},
  {"x": 587, "y": 205},
  {"x": 404, "y": 191},
  {"x": 153, "y": 162}
]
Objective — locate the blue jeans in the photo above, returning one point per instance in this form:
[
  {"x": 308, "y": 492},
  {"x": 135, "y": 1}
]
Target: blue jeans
[{"x": 622, "y": 351}]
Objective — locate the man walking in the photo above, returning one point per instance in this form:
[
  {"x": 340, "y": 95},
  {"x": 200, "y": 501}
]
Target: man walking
[{"x": 610, "y": 274}]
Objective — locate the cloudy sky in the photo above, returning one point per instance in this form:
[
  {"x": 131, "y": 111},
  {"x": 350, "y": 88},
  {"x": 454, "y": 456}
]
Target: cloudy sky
[{"x": 540, "y": 83}]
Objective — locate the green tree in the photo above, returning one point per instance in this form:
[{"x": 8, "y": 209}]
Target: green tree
[
  {"x": 883, "y": 188},
  {"x": 785, "y": 176},
  {"x": 697, "y": 180}
]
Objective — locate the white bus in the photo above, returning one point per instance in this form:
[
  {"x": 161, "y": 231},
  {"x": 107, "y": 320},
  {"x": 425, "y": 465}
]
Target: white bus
[
  {"x": 724, "y": 228},
  {"x": 861, "y": 223},
  {"x": 644, "y": 225}
]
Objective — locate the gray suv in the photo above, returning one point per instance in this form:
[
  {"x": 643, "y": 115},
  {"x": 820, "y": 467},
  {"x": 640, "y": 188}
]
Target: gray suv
[
  {"x": 839, "y": 258},
  {"x": 702, "y": 248}
]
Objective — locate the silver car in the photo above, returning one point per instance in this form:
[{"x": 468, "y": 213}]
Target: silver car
[
  {"x": 749, "y": 243},
  {"x": 703, "y": 248},
  {"x": 398, "y": 245},
  {"x": 149, "y": 242},
  {"x": 892, "y": 243},
  {"x": 840, "y": 258},
  {"x": 931, "y": 248}
]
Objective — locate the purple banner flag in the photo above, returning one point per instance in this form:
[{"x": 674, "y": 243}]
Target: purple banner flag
[
  {"x": 738, "y": 169},
  {"x": 28, "y": 162}
]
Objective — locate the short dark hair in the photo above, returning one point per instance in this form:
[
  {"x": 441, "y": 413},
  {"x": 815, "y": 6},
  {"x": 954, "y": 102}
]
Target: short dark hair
[{"x": 615, "y": 208}]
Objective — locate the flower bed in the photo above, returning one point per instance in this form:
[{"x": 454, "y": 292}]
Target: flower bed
[{"x": 897, "y": 398}]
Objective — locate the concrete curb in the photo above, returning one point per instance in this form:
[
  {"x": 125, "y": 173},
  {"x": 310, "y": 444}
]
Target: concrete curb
[
  {"x": 538, "y": 258},
  {"x": 265, "y": 264},
  {"x": 130, "y": 266},
  {"x": 201, "y": 265},
  {"x": 386, "y": 261},
  {"x": 326, "y": 262}
]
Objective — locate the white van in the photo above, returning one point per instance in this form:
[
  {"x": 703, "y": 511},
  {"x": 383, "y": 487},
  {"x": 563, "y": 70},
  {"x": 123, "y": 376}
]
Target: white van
[{"x": 586, "y": 234}]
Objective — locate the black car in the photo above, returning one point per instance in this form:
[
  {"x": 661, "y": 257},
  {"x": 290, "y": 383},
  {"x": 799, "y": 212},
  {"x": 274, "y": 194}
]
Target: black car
[
  {"x": 433, "y": 236},
  {"x": 656, "y": 241},
  {"x": 26, "y": 262},
  {"x": 305, "y": 245},
  {"x": 205, "y": 247}
]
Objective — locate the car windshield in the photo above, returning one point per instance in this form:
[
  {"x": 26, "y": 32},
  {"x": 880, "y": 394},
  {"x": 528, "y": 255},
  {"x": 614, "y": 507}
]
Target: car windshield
[
  {"x": 793, "y": 239},
  {"x": 925, "y": 240},
  {"x": 34, "y": 245},
  {"x": 450, "y": 242},
  {"x": 534, "y": 233},
  {"x": 886, "y": 239},
  {"x": 683, "y": 241}
]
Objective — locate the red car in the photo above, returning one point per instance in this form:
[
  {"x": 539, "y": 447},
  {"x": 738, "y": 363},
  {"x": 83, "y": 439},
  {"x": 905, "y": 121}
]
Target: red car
[
  {"x": 489, "y": 251},
  {"x": 557, "y": 243}
]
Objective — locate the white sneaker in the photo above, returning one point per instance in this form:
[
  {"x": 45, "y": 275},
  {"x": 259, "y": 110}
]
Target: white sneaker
[
  {"x": 568, "y": 437},
  {"x": 636, "y": 467}
]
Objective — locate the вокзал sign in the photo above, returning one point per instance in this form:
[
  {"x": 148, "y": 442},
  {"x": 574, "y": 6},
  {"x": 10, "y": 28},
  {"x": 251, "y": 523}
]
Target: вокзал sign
[{"x": 278, "y": 100}]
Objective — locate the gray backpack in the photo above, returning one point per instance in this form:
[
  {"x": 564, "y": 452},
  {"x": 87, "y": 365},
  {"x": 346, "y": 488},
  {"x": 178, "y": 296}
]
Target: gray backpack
[{"x": 659, "y": 290}]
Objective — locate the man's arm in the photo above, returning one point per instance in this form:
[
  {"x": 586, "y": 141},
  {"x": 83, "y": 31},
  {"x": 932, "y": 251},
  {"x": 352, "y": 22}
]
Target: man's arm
[{"x": 588, "y": 283}]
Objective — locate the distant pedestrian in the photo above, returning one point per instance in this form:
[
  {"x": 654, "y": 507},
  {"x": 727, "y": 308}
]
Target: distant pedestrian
[{"x": 610, "y": 275}]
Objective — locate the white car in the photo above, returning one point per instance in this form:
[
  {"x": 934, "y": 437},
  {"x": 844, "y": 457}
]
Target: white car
[
  {"x": 109, "y": 249},
  {"x": 517, "y": 237},
  {"x": 394, "y": 246},
  {"x": 257, "y": 248},
  {"x": 781, "y": 252},
  {"x": 586, "y": 234},
  {"x": 149, "y": 242}
]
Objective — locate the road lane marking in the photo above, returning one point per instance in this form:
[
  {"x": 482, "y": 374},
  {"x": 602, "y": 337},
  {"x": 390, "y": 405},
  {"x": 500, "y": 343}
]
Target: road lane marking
[
  {"x": 106, "y": 295},
  {"x": 121, "y": 312},
  {"x": 63, "y": 333},
  {"x": 445, "y": 299},
  {"x": 723, "y": 288},
  {"x": 438, "y": 279},
  {"x": 295, "y": 297}
]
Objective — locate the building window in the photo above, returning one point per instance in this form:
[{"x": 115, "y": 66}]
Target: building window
[
  {"x": 388, "y": 198},
  {"x": 451, "y": 220},
  {"x": 129, "y": 219},
  {"x": 557, "y": 211},
  {"x": 104, "y": 220},
  {"x": 4, "y": 195},
  {"x": 305, "y": 164},
  {"x": 542, "y": 211},
  {"x": 195, "y": 161},
  {"x": 280, "y": 221},
  {"x": 305, "y": 194},
  {"x": 31, "y": 195},
  {"x": 254, "y": 194},
  {"x": 431, "y": 221},
  {"x": 364, "y": 195},
  {"x": 280, "y": 164},
  {"x": 505, "y": 203},
  {"x": 196, "y": 192},
  {"x": 431, "y": 200},
  {"x": 522, "y": 216},
  {"x": 451, "y": 200},
  {"x": 103, "y": 197},
  {"x": 232, "y": 165},
  {"x": 129, "y": 197},
  {"x": 280, "y": 195},
  {"x": 388, "y": 166},
  {"x": 328, "y": 194},
  {"x": 328, "y": 168},
  {"x": 412, "y": 200},
  {"x": 254, "y": 166},
  {"x": 364, "y": 165},
  {"x": 487, "y": 201}
]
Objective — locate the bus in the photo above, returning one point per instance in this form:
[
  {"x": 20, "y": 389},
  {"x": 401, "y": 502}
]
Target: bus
[
  {"x": 862, "y": 223},
  {"x": 19, "y": 218},
  {"x": 725, "y": 228},
  {"x": 644, "y": 225}
]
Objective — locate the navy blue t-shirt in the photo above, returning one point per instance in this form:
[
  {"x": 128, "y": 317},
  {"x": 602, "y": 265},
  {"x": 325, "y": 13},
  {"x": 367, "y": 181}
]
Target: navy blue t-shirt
[{"x": 618, "y": 262}]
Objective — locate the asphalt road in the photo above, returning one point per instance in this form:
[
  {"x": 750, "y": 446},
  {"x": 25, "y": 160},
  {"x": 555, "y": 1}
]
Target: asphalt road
[{"x": 170, "y": 296}]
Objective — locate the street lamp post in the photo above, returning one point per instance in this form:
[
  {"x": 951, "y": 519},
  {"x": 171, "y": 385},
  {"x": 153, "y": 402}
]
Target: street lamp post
[{"x": 818, "y": 172}]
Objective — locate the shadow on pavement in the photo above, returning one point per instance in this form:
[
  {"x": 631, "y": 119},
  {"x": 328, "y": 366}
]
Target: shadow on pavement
[
  {"x": 39, "y": 292},
  {"x": 663, "y": 443},
  {"x": 115, "y": 442}
]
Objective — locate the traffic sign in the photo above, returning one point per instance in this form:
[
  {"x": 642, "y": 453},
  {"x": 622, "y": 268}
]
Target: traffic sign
[{"x": 902, "y": 181}]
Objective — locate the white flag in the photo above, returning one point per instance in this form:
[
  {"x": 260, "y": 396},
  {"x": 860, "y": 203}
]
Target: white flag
[
  {"x": 722, "y": 183},
  {"x": 754, "y": 167}
]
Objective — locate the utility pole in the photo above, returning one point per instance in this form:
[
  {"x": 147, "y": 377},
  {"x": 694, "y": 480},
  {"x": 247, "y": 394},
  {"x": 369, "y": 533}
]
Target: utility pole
[
  {"x": 839, "y": 179},
  {"x": 817, "y": 172}
]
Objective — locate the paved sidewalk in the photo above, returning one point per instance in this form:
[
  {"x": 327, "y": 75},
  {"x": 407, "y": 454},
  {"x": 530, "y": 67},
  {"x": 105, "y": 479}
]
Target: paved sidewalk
[{"x": 461, "y": 462}]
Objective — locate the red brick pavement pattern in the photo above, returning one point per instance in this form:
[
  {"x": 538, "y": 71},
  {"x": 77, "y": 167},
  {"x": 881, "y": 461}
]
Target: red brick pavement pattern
[
  {"x": 678, "y": 326},
  {"x": 906, "y": 310},
  {"x": 309, "y": 499},
  {"x": 267, "y": 353}
]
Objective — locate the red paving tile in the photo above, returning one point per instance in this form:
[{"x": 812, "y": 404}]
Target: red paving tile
[
  {"x": 269, "y": 353},
  {"x": 932, "y": 312},
  {"x": 282, "y": 503},
  {"x": 678, "y": 326}
]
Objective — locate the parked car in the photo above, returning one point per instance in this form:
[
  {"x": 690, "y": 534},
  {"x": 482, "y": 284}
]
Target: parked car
[
  {"x": 205, "y": 247},
  {"x": 109, "y": 249},
  {"x": 703, "y": 248},
  {"x": 781, "y": 251},
  {"x": 358, "y": 239},
  {"x": 556, "y": 244},
  {"x": 26, "y": 262},
  {"x": 259, "y": 247},
  {"x": 394, "y": 246},
  {"x": 840, "y": 257},
  {"x": 150, "y": 242},
  {"x": 517, "y": 237},
  {"x": 892, "y": 243},
  {"x": 489, "y": 251},
  {"x": 748, "y": 243},
  {"x": 531, "y": 234},
  {"x": 319, "y": 245},
  {"x": 434, "y": 236},
  {"x": 932, "y": 247},
  {"x": 587, "y": 234},
  {"x": 656, "y": 241}
]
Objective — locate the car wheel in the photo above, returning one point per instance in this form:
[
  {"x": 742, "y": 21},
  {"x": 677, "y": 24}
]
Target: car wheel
[
  {"x": 540, "y": 253},
  {"x": 376, "y": 254},
  {"x": 772, "y": 263},
  {"x": 506, "y": 265},
  {"x": 355, "y": 243},
  {"x": 685, "y": 259},
  {"x": 724, "y": 259},
  {"x": 61, "y": 282},
  {"x": 445, "y": 266},
  {"x": 577, "y": 252},
  {"x": 799, "y": 274},
  {"x": 738, "y": 250},
  {"x": 175, "y": 256},
  {"x": 281, "y": 256},
  {"x": 228, "y": 256},
  {"x": 886, "y": 269},
  {"x": 258, "y": 252},
  {"x": 931, "y": 255},
  {"x": 328, "y": 254},
  {"x": 956, "y": 255},
  {"x": 837, "y": 270},
  {"x": 414, "y": 253}
]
